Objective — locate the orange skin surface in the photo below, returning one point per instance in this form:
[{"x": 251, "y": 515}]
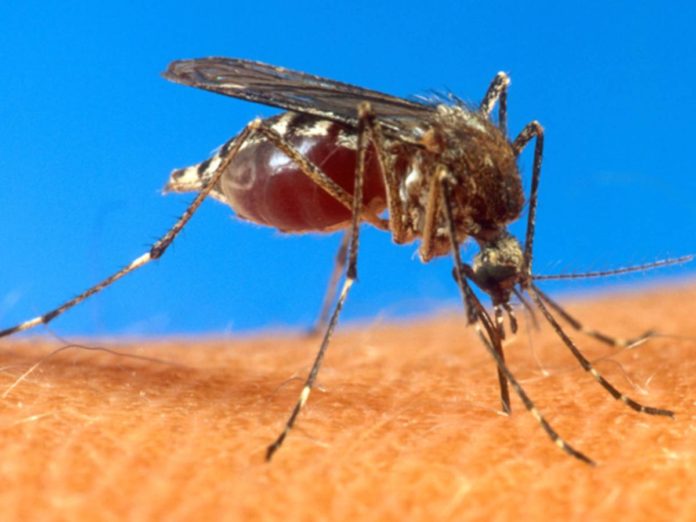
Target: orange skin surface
[{"x": 404, "y": 424}]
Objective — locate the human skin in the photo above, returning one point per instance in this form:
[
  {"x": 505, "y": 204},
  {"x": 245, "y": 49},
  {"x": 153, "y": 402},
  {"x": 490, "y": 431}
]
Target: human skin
[{"x": 404, "y": 424}]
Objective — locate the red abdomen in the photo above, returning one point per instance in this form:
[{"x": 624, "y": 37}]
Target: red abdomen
[{"x": 265, "y": 186}]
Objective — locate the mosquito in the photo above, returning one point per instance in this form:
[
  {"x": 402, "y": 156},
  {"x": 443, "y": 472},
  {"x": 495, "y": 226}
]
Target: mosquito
[{"x": 433, "y": 170}]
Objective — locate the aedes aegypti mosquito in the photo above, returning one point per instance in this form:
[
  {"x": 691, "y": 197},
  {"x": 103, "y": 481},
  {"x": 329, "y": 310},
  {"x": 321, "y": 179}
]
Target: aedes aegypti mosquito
[{"x": 434, "y": 170}]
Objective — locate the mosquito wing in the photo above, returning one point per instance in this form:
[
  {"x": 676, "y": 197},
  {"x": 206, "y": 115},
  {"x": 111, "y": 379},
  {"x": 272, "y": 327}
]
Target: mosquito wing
[{"x": 301, "y": 92}]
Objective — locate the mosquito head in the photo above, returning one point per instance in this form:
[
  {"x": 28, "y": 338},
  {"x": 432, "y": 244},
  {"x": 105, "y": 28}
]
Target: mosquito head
[{"x": 498, "y": 266}]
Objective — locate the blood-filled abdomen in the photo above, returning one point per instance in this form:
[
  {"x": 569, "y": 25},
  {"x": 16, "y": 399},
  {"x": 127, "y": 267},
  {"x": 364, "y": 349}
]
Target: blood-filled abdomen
[{"x": 263, "y": 185}]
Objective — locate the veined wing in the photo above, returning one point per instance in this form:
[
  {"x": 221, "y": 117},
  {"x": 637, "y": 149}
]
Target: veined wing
[{"x": 301, "y": 92}]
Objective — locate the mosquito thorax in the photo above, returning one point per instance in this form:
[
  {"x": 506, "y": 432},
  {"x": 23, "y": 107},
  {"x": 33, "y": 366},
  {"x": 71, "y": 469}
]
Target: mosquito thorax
[
  {"x": 498, "y": 266},
  {"x": 482, "y": 167}
]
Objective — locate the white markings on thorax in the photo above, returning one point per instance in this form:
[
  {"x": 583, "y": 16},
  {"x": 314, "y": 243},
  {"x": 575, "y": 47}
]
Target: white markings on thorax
[{"x": 461, "y": 115}]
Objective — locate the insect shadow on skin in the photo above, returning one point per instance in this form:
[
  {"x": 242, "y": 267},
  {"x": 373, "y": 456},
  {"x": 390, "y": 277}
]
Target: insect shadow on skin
[{"x": 342, "y": 155}]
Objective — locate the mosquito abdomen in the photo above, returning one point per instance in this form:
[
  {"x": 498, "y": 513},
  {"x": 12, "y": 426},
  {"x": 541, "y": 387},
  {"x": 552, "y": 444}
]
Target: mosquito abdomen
[{"x": 265, "y": 186}]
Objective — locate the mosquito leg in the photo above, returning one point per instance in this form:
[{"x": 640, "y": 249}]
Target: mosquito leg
[
  {"x": 364, "y": 113},
  {"x": 472, "y": 314},
  {"x": 155, "y": 252},
  {"x": 473, "y": 318},
  {"x": 329, "y": 296},
  {"x": 319, "y": 177},
  {"x": 497, "y": 91},
  {"x": 396, "y": 219},
  {"x": 502, "y": 380},
  {"x": 309, "y": 382},
  {"x": 431, "y": 212},
  {"x": 432, "y": 208},
  {"x": 532, "y": 130},
  {"x": 587, "y": 365},
  {"x": 470, "y": 298},
  {"x": 577, "y": 325}
]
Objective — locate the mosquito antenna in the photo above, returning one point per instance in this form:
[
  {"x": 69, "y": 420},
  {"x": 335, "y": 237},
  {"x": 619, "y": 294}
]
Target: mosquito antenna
[{"x": 617, "y": 271}]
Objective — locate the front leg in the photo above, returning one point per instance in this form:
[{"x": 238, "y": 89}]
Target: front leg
[
  {"x": 432, "y": 215},
  {"x": 470, "y": 299}
]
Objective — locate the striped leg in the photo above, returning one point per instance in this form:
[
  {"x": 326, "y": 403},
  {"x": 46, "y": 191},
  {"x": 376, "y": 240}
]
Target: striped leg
[
  {"x": 462, "y": 271},
  {"x": 587, "y": 365},
  {"x": 498, "y": 348},
  {"x": 494, "y": 343},
  {"x": 617, "y": 342},
  {"x": 470, "y": 299},
  {"x": 600, "y": 336},
  {"x": 365, "y": 114},
  {"x": 530, "y": 131},
  {"x": 155, "y": 252}
]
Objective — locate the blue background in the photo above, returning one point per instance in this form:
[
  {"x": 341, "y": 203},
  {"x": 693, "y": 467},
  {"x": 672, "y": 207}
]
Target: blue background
[{"x": 89, "y": 132}]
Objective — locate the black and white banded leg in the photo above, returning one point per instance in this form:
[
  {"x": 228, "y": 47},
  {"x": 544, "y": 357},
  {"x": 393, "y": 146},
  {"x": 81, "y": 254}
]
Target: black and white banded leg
[
  {"x": 470, "y": 299},
  {"x": 617, "y": 342},
  {"x": 530, "y": 131},
  {"x": 365, "y": 120},
  {"x": 494, "y": 343},
  {"x": 587, "y": 365},
  {"x": 155, "y": 252}
]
